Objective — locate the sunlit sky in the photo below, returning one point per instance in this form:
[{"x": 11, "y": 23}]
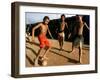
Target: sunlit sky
[{"x": 32, "y": 18}]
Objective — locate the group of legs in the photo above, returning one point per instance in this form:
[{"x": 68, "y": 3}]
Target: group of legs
[
  {"x": 76, "y": 42},
  {"x": 61, "y": 39},
  {"x": 45, "y": 45}
]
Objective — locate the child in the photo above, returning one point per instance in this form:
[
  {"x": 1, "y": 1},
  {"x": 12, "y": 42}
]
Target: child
[
  {"x": 44, "y": 42},
  {"x": 78, "y": 35},
  {"x": 61, "y": 35}
]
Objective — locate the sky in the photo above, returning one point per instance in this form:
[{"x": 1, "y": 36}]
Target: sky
[{"x": 32, "y": 17}]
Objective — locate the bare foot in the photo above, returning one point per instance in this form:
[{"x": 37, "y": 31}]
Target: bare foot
[
  {"x": 43, "y": 60},
  {"x": 72, "y": 52},
  {"x": 36, "y": 63},
  {"x": 60, "y": 49}
]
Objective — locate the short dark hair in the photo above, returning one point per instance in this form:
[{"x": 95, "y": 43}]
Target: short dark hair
[
  {"x": 63, "y": 15},
  {"x": 45, "y": 17}
]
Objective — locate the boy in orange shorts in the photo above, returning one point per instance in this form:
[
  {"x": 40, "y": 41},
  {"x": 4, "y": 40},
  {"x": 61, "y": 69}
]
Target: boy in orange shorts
[{"x": 44, "y": 43}]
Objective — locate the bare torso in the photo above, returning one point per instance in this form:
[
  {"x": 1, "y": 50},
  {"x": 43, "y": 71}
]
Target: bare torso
[
  {"x": 62, "y": 26},
  {"x": 80, "y": 30},
  {"x": 43, "y": 29},
  {"x": 80, "y": 26}
]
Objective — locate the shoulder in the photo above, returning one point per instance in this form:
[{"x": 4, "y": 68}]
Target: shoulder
[{"x": 40, "y": 24}]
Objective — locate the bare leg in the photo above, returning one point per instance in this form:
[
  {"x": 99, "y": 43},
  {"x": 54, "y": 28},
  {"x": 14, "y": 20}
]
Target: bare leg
[
  {"x": 63, "y": 40},
  {"x": 36, "y": 60},
  {"x": 80, "y": 52},
  {"x": 44, "y": 55},
  {"x": 60, "y": 43},
  {"x": 73, "y": 49}
]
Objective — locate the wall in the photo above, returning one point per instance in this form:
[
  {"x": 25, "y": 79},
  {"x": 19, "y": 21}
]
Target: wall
[{"x": 5, "y": 40}]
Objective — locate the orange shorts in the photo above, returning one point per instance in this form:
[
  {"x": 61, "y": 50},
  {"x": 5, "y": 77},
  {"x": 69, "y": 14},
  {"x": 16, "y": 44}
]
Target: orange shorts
[{"x": 43, "y": 41}]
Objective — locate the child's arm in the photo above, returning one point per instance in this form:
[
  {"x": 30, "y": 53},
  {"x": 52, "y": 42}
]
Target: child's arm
[
  {"x": 68, "y": 30},
  {"x": 86, "y": 26},
  {"x": 33, "y": 30},
  {"x": 66, "y": 25},
  {"x": 50, "y": 33},
  {"x": 69, "y": 35}
]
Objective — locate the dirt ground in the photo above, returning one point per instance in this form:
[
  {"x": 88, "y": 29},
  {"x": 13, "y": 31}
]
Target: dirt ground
[{"x": 56, "y": 57}]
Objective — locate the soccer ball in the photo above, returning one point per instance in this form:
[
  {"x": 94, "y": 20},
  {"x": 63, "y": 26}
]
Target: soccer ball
[{"x": 44, "y": 62}]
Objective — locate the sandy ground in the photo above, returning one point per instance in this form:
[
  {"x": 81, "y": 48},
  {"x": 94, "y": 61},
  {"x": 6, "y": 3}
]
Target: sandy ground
[{"x": 56, "y": 57}]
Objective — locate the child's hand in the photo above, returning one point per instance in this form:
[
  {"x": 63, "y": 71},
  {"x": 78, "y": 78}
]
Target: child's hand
[
  {"x": 52, "y": 37},
  {"x": 69, "y": 36}
]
